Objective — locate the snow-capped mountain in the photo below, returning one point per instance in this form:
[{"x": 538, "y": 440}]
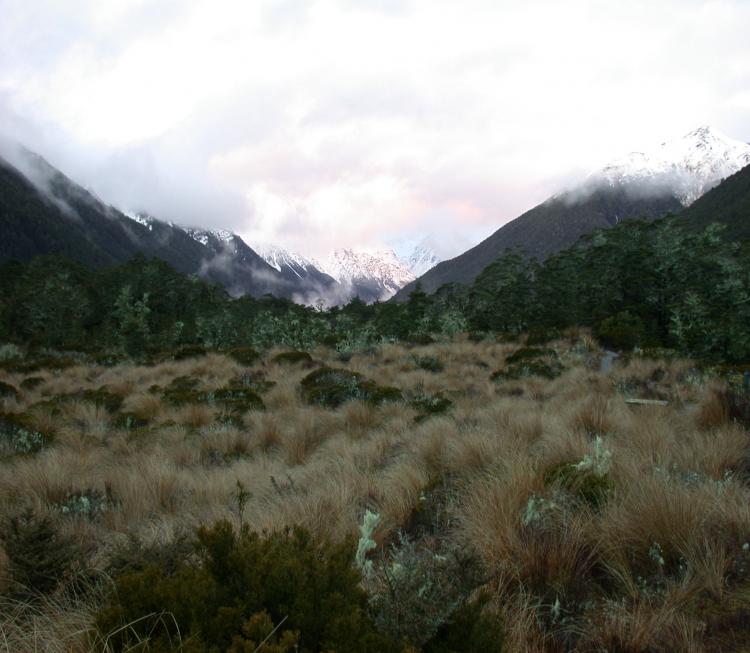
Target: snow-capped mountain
[
  {"x": 281, "y": 259},
  {"x": 686, "y": 167},
  {"x": 420, "y": 259},
  {"x": 373, "y": 276},
  {"x": 207, "y": 237}
]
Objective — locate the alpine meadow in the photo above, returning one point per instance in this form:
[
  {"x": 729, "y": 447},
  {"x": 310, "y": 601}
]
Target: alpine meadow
[{"x": 280, "y": 371}]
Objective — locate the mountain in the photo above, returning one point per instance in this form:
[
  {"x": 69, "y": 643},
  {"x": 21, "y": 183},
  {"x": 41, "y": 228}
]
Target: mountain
[
  {"x": 372, "y": 276},
  {"x": 685, "y": 168},
  {"x": 296, "y": 267},
  {"x": 419, "y": 258},
  {"x": 728, "y": 203},
  {"x": 44, "y": 212},
  {"x": 641, "y": 185}
]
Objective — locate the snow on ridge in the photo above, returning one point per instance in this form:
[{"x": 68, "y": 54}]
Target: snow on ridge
[
  {"x": 140, "y": 218},
  {"x": 379, "y": 266},
  {"x": 688, "y": 166}
]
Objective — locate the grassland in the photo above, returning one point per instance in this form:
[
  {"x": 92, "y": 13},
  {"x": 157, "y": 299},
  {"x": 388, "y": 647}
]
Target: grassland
[{"x": 597, "y": 525}]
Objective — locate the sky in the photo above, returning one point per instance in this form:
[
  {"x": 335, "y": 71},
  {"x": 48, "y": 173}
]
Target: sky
[{"x": 318, "y": 124}]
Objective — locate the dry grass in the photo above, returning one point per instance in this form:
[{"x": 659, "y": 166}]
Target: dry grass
[{"x": 658, "y": 566}]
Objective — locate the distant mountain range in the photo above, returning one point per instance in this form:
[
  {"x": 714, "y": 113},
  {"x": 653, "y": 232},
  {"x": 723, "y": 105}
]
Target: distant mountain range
[
  {"x": 43, "y": 212},
  {"x": 640, "y": 185}
]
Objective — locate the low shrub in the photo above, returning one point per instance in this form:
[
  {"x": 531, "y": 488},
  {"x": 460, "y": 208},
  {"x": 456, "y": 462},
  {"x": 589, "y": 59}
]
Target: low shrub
[
  {"x": 429, "y": 363},
  {"x": 621, "y": 331},
  {"x": 31, "y": 382},
  {"x": 8, "y": 391},
  {"x": 17, "y": 437},
  {"x": 214, "y": 597},
  {"x": 189, "y": 351},
  {"x": 522, "y": 369},
  {"x": 244, "y": 355},
  {"x": 428, "y": 405},
  {"x": 39, "y": 556},
  {"x": 293, "y": 358},
  {"x": 235, "y": 399},
  {"x": 529, "y": 353},
  {"x": 332, "y": 387}
]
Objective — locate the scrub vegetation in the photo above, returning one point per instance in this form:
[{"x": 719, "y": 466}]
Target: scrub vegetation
[{"x": 471, "y": 494}]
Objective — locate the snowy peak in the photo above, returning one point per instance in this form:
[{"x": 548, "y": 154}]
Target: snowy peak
[
  {"x": 380, "y": 270},
  {"x": 686, "y": 167},
  {"x": 213, "y": 237},
  {"x": 419, "y": 260},
  {"x": 280, "y": 258}
]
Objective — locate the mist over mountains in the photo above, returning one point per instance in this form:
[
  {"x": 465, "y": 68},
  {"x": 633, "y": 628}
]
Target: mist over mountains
[
  {"x": 640, "y": 185},
  {"x": 42, "y": 211}
]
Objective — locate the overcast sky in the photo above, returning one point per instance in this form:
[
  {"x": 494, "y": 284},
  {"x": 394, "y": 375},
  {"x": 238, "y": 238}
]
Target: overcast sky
[{"x": 320, "y": 124}]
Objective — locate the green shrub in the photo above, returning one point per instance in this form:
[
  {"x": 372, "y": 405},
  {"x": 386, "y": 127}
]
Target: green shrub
[
  {"x": 8, "y": 391},
  {"x": 584, "y": 484},
  {"x": 181, "y": 390},
  {"x": 38, "y": 362},
  {"x": 331, "y": 387},
  {"x": 31, "y": 382},
  {"x": 190, "y": 351},
  {"x": 236, "y": 399},
  {"x": 293, "y": 358},
  {"x": 9, "y": 351},
  {"x": 529, "y": 361},
  {"x": 100, "y": 397},
  {"x": 428, "y": 405},
  {"x": 244, "y": 355},
  {"x": 39, "y": 556},
  {"x": 88, "y": 504},
  {"x": 429, "y": 363},
  {"x": 17, "y": 437},
  {"x": 541, "y": 336},
  {"x": 621, "y": 331},
  {"x": 214, "y": 595},
  {"x": 529, "y": 353}
]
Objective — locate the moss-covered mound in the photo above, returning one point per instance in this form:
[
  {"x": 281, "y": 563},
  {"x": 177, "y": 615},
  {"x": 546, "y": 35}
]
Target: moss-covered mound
[
  {"x": 236, "y": 399},
  {"x": 181, "y": 390},
  {"x": 529, "y": 361},
  {"x": 16, "y": 436},
  {"x": 31, "y": 382},
  {"x": 244, "y": 355},
  {"x": 8, "y": 391},
  {"x": 332, "y": 387},
  {"x": 293, "y": 358}
]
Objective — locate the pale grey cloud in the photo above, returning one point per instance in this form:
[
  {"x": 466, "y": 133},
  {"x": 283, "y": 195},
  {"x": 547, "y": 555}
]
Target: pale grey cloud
[{"x": 317, "y": 123}]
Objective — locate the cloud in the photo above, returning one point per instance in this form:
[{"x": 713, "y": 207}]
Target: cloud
[{"x": 322, "y": 123}]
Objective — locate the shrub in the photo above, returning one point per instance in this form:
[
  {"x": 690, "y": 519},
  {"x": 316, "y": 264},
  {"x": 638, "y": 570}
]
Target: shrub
[
  {"x": 429, "y": 363},
  {"x": 190, "y": 351},
  {"x": 529, "y": 353},
  {"x": 293, "y": 358},
  {"x": 31, "y": 382},
  {"x": 18, "y": 437},
  {"x": 428, "y": 405},
  {"x": 523, "y": 369},
  {"x": 418, "y": 593},
  {"x": 100, "y": 397},
  {"x": 331, "y": 387},
  {"x": 236, "y": 399},
  {"x": 9, "y": 351},
  {"x": 216, "y": 595},
  {"x": 7, "y": 391},
  {"x": 621, "y": 331},
  {"x": 244, "y": 355},
  {"x": 39, "y": 556},
  {"x": 181, "y": 390}
]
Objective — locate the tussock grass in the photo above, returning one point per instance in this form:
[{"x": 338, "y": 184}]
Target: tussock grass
[{"x": 659, "y": 564}]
